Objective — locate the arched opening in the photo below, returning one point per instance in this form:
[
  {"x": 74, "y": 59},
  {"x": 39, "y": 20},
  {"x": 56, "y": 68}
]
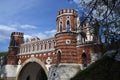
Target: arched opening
[
  {"x": 28, "y": 78},
  {"x": 84, "y": 59},
  {"x": 32, "y": 69},
  {"x": 59, "y": 56},
  {"x": 83, "y": 37},
  {"x": 68, "y": 26},
  {"x": 60, "y": 27}
]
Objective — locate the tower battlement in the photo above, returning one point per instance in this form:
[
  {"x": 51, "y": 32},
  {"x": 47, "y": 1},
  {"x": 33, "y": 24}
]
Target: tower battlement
[
  {"x": 67, "y": 12},
  {"x": 17, "y": 34},
  {"x": 66, "y": 20}
]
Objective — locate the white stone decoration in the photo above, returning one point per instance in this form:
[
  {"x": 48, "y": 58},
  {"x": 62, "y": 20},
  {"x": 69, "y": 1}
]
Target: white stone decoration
[
  {"x": 36, "y": 55},
  {"x": 39, "y": 54},
  {"x": 83, "y": 51},
  {"x": 48, "y": 60},
  {"x": 32, "y": 55},
  {"x": 48, "y": 53},
  {"x": 68, "y": 41},
  {"x": 53, "y": 53},
  {"x": 19, "y": 62}
]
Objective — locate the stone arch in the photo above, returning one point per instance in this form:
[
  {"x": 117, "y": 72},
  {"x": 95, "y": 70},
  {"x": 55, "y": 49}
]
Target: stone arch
[
  {"x": 59, "y": 52},
  {"x": 84, "y": 59},
  {"x": 34, "y": 61}
]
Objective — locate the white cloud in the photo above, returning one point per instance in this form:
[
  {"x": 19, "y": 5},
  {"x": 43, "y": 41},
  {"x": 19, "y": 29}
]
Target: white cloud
[
  {"x": 26, "y": 26},
  {"x": 27, "y": 37},
  {"x": 44, "y": 35},
  {"x": 77, "y": 1},
  {"x": 39, "y": 35},
  {"x": 23, "y": 26},
  {"x": 51, "y": 32},
  {"x": 80, "y": 1},
  {"x": 6, "y": 30}
]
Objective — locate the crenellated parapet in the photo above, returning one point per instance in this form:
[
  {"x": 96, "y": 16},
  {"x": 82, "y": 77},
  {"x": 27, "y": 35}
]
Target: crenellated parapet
[
  {"x": 16, "y": 39},
  {"x": 67, "y": 12},
  {"x": 17, "y": 34}
]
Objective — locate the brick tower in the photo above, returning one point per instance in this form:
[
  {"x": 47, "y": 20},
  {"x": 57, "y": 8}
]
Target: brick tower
[
  {"x": 66, "y": 36},
  {"x": 16, "y": 40}
]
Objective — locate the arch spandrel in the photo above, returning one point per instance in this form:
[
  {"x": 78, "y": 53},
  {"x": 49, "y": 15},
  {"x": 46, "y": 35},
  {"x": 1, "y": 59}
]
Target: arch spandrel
[{"x": 32, "y": 59}]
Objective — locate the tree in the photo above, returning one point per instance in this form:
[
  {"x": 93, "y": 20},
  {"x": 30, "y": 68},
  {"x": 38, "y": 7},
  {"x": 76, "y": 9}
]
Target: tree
[
  {"x": 3, "y": 53},
  {"x": 3, "y": 58},
  {"x": 107, "y": 12}
]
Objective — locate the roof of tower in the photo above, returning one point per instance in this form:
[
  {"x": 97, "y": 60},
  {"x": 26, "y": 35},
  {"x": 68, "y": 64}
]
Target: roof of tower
[
  {"x": 67, "y": 11},
  {"x": 17, "y": 33}
]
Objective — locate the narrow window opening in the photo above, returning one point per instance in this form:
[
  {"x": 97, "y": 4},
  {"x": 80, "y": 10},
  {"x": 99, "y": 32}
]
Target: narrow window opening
[
  {"x": 60, "y": 29},
  {"x": 58, "y": 57},
  {"x": 49, "y": 45},
  {"x": 45, "y": 46},
  {"x": 84, "y": 59},
  {"x": 68, "y": 26},
  {"x": 41, "y": 47}
]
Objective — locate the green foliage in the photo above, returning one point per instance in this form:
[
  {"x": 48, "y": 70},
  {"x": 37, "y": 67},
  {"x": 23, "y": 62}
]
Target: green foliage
[
  {"x": 3, "y": 53},
  {"x": 107, "y": 12}
]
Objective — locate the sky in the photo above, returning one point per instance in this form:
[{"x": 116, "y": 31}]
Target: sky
[{"x": 32, "y": 17}]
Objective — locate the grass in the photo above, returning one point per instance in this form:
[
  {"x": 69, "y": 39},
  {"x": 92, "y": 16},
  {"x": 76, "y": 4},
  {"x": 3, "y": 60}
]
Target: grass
[{"x": 103, "y": 69}]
